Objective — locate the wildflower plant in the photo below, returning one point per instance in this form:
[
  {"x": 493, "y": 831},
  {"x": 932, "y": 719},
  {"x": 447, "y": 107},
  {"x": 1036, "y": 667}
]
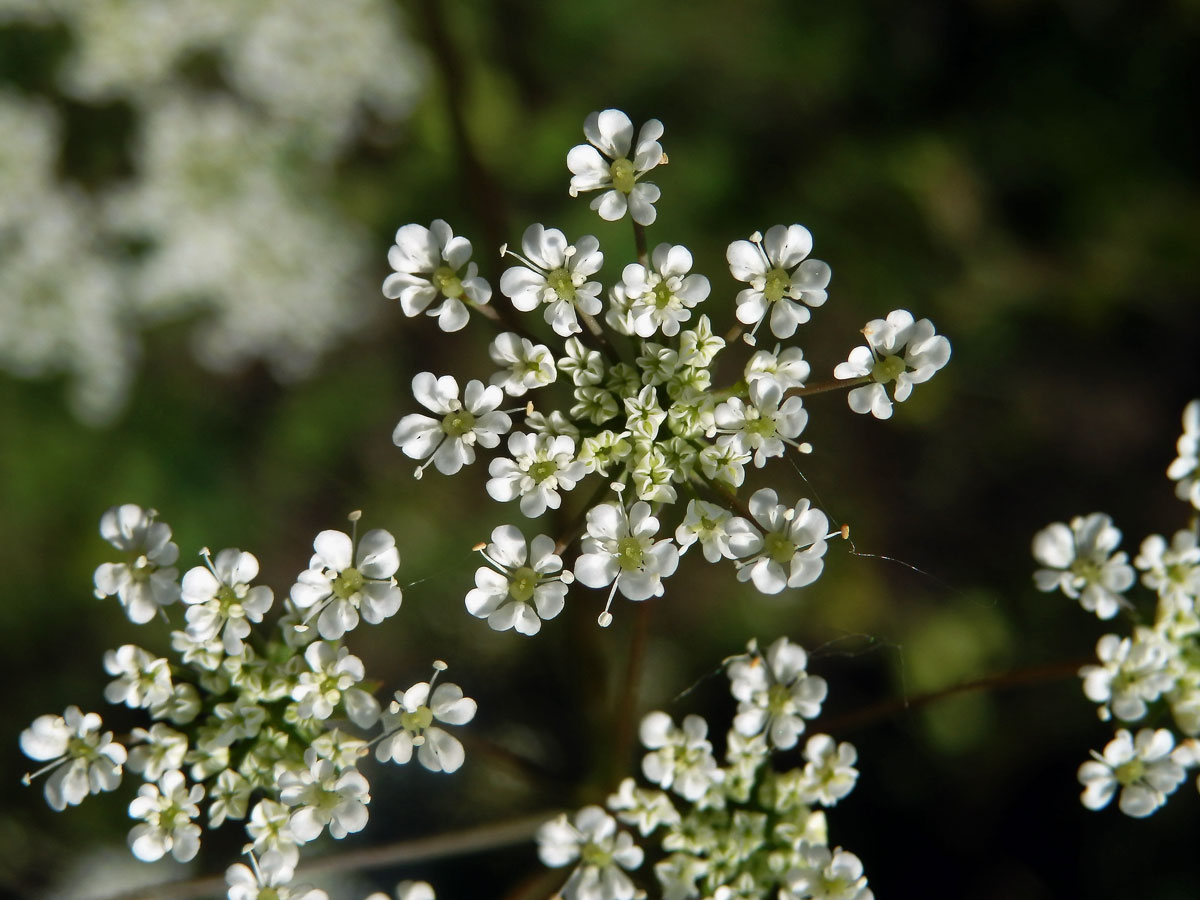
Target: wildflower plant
[
  {"x": 250, "y": 718},
  {"x": 620, "y": 395},
  {"x": 748, "y": 828},
  {"x": 1148, "y": 676}
]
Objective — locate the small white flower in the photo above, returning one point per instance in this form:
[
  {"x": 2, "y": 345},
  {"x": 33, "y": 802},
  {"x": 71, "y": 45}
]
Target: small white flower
[
  {"x": 721, "y": 534},
  {"x": 682, "y": 758},
  {"x": 167, "y": 809},
  {"x": 147, "y": 579},
  {"x": 525, "y": 365},
  {"x": 787, "y": 368},
  {"x": 724, "y": 463},
  {"x": 829, "y": 774},
  {"x": 792, "y": 547},
  {"x": 269, "y": 828},
  {"x": 645, "y": 808},
  {"x": 79, "y": 757},
  {"x": 160, "y": 750},
  {"x": 898, "y": 350},
  {"x": 143, "y": 679},
  {"x": 662, "y": 296},
  {"x": 1132, "y": 673},
  {"x": 330, "y": 683},
  {"x": 699, "y": 346},
  {"x": 228, "y": 798},
  {"x": 763, "y": 425},
  {"x": 775, "y": 693},
  {"x": 268, "y": 878},
  {"x": 555, "y": 273},
  {"x": 221, "y": 601},
  {"x": 1080, "y": 561},
  {"x": 541, "y": 465},
  {"x": 429, "y": 264},
  {"x": 828, "y": 876},
  {"x": 1141, "y": 767},
  {"x": 408, "y": 723},
  {"x": 1185, "y": 468},
  {"x": 319, "y": 796},
  {"x": 515, "y": 594},
  {"x": 610, "y": 132},
  {"x": 448, "y": 441},
  {"x": 604, "y": 855},
  {"x": 343, "y": 580},
  {"x": 1173, "y": 571},
  {"x": 619, "y": 549},
  {"x": 781, "y": 279}
]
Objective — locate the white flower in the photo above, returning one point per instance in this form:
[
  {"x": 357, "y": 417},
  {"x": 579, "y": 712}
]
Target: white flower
[
  {"x": 320, "y": 796},
  {"x": 763, "y": 425},
  {"x": 525, "y": 365},
  {"x": 662, "y": 297},
  {"x": 221, "y": 600},
  {"x": 1080, "y": 561},
  {"x": 408, "y": 723},
  {"x": 792, "y": 547},
  {"x": 611, "y": 133},
  {"x": 787, "y": 369},
  {"x": 1141, "y": 767},
  {"x": 341, "y": 581},
  {"x": 1174, "y": 571},
  {"x": 161, "y": 749},
  {"x": 330, "y": 683},
  {"x": 898, "y": 349},
  {"x": 619, "y": 549},
  {"x": 143, "y": 679},
  {"x": 682, "y": 760},
  {"x": 228, "y": 798},
  {"x": 829, "y": 774},
  {"x": 449, "y": 440},
  {"x": 775, "y": 693},
  {"x": 1185, "y": 468},
  {"x": 828, "y": 876},
  {"x": 515, "y": 595},
  {"x": 81, "y": 759},
  {"x": 146, "y": 580},
  {"x": 780, "y": 278},
  {"x": 429, "y": 264},
  {"x": 721, "y": 534},
  {"x": 541, "y": 464},
  {"x": 269, "y": 879},
  {"x": 269, "y": 828},
  {"x": 407, "y": 890},
  {"x": 644, "y": 807},
  {"x": 602, "y": 851},
  {"x": 555, "y": 273},
  {"x": 167, "y": 809},
  {"x": 1132, "y": 673}
]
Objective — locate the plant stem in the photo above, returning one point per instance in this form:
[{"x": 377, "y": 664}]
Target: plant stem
[{"x": 639, "y": 242}]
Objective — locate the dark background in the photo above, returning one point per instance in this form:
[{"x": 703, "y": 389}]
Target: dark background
[{"x": 1022, "y": 173}]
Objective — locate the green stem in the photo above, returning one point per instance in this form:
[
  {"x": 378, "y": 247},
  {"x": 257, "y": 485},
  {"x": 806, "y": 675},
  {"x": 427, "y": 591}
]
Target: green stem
[{"x": 639, "y": 242}]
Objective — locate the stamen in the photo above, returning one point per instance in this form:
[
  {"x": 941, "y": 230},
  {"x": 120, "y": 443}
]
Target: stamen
[
  {"x": 567, "y": 577},
  {"x": 27, "y": 778},
  {"x": 605, "y": 618}
]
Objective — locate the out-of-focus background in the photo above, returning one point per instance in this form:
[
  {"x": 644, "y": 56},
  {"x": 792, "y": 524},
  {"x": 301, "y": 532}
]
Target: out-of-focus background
[{"x": 195, "y": 211}]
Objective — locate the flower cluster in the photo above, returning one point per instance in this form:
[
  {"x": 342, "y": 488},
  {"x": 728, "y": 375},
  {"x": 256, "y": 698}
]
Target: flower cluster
[
  {"x": 738, "y": 830},
  {"x": 248, "y": 724},
  {"x": 640, "y": 419},
  {"x": 1152, "y": 674},
  {"x": 234, "y": 176}
]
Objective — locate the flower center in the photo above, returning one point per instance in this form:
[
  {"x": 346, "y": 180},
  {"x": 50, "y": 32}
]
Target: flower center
[
  {"x": 540, "y": 471},
  {"x": 417, "y": 720},
  {"x": 1128, "y": 773},
  {"x": 629, "y": 553},
  {"x": 593, "y": 854},
  {"x": 522, "y": 583},
  {"x": 662, "y": 295},
  {"x": 777, "y": 283},
  {"x": 888, "y": 369},
  {"x": 778, "y": 699},
  {"x": 561, "y": 283},
  {"x": 762, "y": 425},
  {"x": 228, "y": 602},
  {"x": 447, "y": 282},
  {"x": 458, "y": 423},
  {"x": 623, "y": 175},
  {"x": 348, "y": 584},
  {"x": 778, "y": 548}
]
